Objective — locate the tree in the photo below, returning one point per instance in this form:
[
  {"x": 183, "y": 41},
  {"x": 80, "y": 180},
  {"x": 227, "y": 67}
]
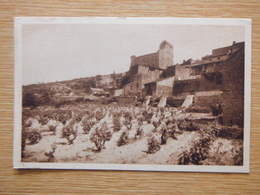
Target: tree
[{"x": 30, "y": 100}]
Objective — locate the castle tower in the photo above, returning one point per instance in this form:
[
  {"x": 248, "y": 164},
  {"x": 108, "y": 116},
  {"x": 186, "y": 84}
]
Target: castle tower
[
  {"x": 165, "y": 55},
  {"x": 161, "y": 59},
  {"x": 133, "y": 60}
]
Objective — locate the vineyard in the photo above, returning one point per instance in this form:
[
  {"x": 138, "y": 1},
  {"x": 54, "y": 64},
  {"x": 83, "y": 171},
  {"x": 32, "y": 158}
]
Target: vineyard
[{"x": 88, "y": 133}]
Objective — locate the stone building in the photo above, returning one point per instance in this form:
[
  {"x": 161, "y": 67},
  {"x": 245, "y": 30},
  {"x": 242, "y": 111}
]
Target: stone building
[
  {"x": 160, "y": 59},
  {"x": 147, "y": 68},
  {"x": 209, "y": 62},
  {"x": 233, "y": 75},
  {"x": 60, "y": 88},
  {"x": 224, "y": 83},
  {"x": 137, "y": 85},
  {"x": 181, "y": 72},
  {"x": 96, "y": 91}
]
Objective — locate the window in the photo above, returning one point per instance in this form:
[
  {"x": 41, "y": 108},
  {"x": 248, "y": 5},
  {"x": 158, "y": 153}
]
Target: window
[{"x": 137, "y": 85}]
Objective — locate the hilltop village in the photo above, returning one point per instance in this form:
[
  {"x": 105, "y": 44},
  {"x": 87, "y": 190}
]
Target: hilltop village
[{"x": 215, "y": 79}]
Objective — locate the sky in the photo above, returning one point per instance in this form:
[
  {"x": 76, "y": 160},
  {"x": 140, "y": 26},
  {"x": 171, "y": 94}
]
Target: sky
[{"x": 58, "y": 52}]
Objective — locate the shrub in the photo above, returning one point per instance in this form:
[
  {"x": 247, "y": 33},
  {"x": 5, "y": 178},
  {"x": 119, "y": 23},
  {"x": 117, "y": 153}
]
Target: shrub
[
  {"x": 99, "y": 115},
  {"x": 238, "y": 158},
  {"x": 123, "y": 139},
  {"x": 184, "y": 158},
  {"x": 33, "y": 136},
  {"x": 127, "y": 122},
  {"x": 43, "y": 120},
  {"x": 87, "y": 125},
  {"x": 117, "y": 124},
  {"x": 64, "y": 116},
  {"x": 53, "y": 129},
  {"x": 30, "y": 100},
  {"x": 69, "y": 133},
  {"x": 50, "y": 155},
  {"x": 214, "y": 110},
  {"x": 78, "y": 116},
  {"x": 183, "y": 125},
  {"x": 26, "y": 123},
  {"x": 192, "y": 127},
  {"x": 213, "y": 77},
  {"x": 153, "y": 146},
  {"x": 100, "y": 136},
  {"x": 233, "y": 132},
  {"x": 139, "y": 131},
  {"x": 59, "y": 103}
]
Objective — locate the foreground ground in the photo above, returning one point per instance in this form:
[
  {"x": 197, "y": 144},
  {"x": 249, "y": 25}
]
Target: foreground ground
[{"x": 186, "y": 143}]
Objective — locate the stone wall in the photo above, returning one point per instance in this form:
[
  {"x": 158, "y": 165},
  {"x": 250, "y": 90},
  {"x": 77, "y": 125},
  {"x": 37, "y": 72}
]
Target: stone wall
[
  {"x": 182, "y": 72},
  {"x": 163, "y": 91},
  {"x": 233, "y": 91},
  {"x": 207, "y": 82},
  {"x": 118, "y": 92},
  {"x": 148, "y": 59},
  {"x": 185, "y": 87},
  {"x": 207, "y": 100},
  {"x": 170, "y": 71},
  {"x": 207, "y": 92},
  {"x": 151, "y": 76}
]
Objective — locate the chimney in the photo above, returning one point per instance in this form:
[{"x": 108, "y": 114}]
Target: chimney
[{"x": 234, "y": 42}]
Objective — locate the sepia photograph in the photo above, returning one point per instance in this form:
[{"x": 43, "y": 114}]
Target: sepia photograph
[{"x": 144, "y": 94}]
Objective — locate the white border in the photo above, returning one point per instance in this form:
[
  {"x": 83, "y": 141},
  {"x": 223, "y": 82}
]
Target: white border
[{"x": 19, "y": 21}]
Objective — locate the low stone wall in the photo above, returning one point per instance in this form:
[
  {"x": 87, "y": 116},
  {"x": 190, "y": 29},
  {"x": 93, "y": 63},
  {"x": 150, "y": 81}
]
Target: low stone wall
[{"x": 207, "y": 101}]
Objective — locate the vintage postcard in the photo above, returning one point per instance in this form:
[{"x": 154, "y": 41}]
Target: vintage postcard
[{"x": 146, "y": 94}]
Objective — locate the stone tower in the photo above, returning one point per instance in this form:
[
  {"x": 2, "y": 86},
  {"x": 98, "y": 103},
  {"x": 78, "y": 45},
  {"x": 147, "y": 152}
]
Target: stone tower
[{"x": 165, "y": 55}]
